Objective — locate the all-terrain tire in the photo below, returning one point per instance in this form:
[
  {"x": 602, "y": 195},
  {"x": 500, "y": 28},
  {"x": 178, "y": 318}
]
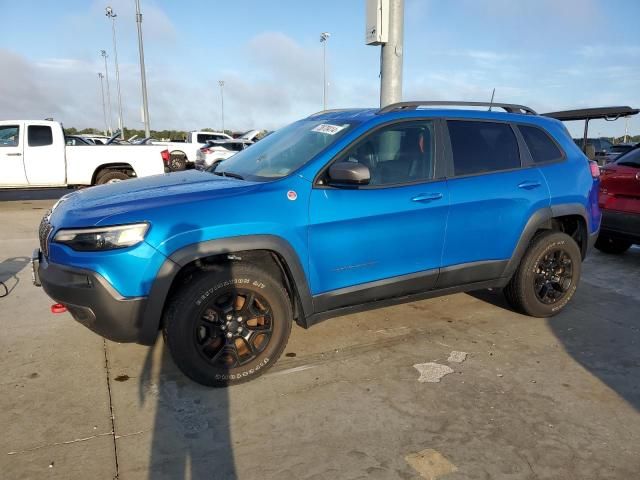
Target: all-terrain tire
[
  {"x": 177, "y": 162},
  {"x": 192, "y": 341},
  {"x": 111, "y": 177},
  {"x": 521, "y": 291},
  {"x": 608, "y": 244}
]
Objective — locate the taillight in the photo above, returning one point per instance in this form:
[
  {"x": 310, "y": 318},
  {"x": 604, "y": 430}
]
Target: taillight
[
  {"x": 165, "y": 156},
  {"x": 595, "y": 169}
]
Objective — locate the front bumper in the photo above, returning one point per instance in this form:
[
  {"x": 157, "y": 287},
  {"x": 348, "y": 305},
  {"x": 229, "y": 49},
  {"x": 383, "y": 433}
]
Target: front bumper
[
  {"x": 93, "y": 302},
  {"x": 622, "y": 225}
]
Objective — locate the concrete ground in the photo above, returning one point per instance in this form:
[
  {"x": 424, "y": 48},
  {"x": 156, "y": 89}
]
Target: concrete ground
[{"x": 534, "y": 399}]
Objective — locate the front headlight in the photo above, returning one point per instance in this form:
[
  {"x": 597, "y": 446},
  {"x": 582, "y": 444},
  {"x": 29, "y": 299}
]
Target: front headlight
[{"x": 102, "y": 238}]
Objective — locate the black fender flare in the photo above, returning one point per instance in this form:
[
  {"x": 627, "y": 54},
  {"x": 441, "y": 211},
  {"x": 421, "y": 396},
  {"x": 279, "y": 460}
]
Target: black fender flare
[
  {"x": 542, "y": 219},
  {"x": 185, "y": 255}
]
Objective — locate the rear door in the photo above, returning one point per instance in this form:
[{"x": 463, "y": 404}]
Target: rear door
[
  {"x": 44, "y": 154},
  {"x": 620, "y": 187},
  {"x": 491, "y": 196},
  {"x": 11, "y": 155}
]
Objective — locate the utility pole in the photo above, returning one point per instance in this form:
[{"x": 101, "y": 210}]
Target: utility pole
[
  {"x": 324, "y": 37},
  {"x": 109, "y": 13},
  {"x": 104, "y": 55},
  {"x": 143, "y": 75},
  {"x": 221, "y": 83},
  {"x": 626, "y": 130},
  {"x": 104, "y": 110},
  {"x": 391, "y": 56}
]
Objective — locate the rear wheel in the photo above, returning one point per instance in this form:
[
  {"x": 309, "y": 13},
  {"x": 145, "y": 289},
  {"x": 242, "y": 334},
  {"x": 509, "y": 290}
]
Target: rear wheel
[
  {"x": 547, "y": 276},
  {"x": 228, "y": 326},
  {"x": 608, "y": 244},
  {"x": 177, "y": 162},
  {"x": 111, "y": 177}
]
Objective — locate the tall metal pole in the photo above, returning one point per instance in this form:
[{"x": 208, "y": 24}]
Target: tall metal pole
[
  {"x": 104, "y": 110},
  {"x": 626, "y": 130},
  {"x": 109, "y": 13},
  {"x": 324, "y": 36},
  {"x": 106, "y": 71},
  {"x": 143, "y": 75},
  {"x": 391, "y": 56},
  {"x": 221, "y": 83}
]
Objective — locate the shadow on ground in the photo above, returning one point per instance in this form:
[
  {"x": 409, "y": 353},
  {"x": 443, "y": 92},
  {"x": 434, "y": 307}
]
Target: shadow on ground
[
  {"x": 600, "y": 328},
  {"x": 191, "y": 434},
  {"x": 17, "y": 194},
  {"x": 9, "y": 270}
]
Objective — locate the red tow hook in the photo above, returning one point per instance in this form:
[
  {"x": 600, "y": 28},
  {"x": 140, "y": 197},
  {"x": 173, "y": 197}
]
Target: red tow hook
[{"x": 58, "y": 308}]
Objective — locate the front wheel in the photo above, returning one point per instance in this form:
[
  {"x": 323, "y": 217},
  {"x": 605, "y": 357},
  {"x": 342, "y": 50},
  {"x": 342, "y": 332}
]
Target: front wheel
[
  {"x": 228, "y": 326},
  {"x": 547, "y": 276}
]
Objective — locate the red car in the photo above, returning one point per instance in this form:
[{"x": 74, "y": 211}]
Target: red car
[{"x": 620, "y": 203}]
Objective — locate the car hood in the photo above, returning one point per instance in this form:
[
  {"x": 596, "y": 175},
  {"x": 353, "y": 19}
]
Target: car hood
[{"x": 96, "y": 205}]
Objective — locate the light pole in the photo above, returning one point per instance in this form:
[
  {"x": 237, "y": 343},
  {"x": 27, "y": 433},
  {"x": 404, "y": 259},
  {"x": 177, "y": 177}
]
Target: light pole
[
  {"x": 221, "y": 83},
  {"x": 109, "y": 13},
  {"x": 391, "y": 57},
  {"x": 143, "y": 75},
  {"x": 324, "y": 37},
  {"x": 104, "y": 55},
  {"x": 104, "y": 110}
]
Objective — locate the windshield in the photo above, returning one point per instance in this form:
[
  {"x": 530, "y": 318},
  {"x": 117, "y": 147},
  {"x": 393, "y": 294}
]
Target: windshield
[{"x": 284, "y": 151}]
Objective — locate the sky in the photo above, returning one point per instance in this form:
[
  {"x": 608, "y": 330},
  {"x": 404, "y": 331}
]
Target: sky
[{"x": 547, "y": 54}]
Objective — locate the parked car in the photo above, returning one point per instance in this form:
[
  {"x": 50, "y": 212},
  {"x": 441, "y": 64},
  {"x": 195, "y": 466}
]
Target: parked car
[
  {"x": 34, "y": 153},
  {"x": 597, "y": 149},
  {"x": 72, "y": 140},
  {"x": 217, "y": 151},
  {"x": 616, "y": 150},
  {"x": 338, "y": 212},
  {"x": 183, "y": 154},
  {"x": 620, "y": 203},
  {"x": 96, "y": 139}
]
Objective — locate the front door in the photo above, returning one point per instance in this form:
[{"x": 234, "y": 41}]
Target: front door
[
  {"x": 389, "y": 232},
  {"x": 11, "y": 156}
]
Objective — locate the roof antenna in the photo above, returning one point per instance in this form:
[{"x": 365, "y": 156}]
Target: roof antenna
[{"x": 491, "y": 103}]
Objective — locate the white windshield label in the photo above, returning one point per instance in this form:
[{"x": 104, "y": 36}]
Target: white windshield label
[{"x": 329, "y": 129}]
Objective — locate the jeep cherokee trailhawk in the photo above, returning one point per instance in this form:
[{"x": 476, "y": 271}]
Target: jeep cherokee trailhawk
[{"x": 340, "y": 211}]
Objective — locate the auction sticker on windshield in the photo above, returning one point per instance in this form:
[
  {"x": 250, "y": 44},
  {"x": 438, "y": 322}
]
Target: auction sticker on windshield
[{"x": 329, "y": 129}]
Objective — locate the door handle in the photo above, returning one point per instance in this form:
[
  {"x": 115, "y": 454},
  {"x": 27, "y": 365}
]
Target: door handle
[
  {"x": 528, "y": 184},
  {"x": 427, "y": 197},
  {"x": 17, "y": 154}
]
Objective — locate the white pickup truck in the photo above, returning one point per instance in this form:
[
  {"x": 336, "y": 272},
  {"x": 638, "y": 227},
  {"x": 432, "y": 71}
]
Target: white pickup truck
[
  {"x": 33, "y": 154},
  {"x": 183, "y": 153}
]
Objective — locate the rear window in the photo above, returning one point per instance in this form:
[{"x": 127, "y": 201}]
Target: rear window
[
  {"x": 204, "y": 137},
  {"x": 39, "y": 135},
  {"x": 480, "y": 147},
  {"x": 540, "y": 145}
]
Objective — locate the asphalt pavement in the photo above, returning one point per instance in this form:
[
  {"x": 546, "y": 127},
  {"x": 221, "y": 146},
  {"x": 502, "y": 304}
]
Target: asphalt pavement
[{"x": 384, "y": 394}]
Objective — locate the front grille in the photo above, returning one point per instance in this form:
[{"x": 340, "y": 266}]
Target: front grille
[{"x": 43, "y": 234}]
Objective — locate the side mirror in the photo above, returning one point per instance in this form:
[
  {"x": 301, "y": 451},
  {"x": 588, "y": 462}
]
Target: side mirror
[{"x": 349, "y": 173}]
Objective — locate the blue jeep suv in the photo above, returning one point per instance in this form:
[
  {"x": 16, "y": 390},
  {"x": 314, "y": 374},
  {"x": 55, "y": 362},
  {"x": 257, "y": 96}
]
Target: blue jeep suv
[{"x": 342, "y": 211}]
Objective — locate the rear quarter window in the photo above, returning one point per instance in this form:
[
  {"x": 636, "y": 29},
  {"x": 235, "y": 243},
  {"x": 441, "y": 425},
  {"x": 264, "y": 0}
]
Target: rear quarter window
[{"x": 542, "y": 148}]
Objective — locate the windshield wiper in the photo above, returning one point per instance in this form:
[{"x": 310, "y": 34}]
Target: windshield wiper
[{"x": 229, "y": 174}]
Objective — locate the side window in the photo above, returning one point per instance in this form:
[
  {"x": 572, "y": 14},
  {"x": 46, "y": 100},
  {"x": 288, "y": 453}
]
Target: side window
[
  {"x": 9, "y": 135},
  {"x": 541, "y": 147},
  {"x": 39, "y": 135},
  {"x": 400, "y": 153},
  {"x": 482, "y": 147}
]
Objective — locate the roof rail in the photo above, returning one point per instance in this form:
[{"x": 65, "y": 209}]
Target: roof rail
[
  {"x": 332, "y": 110},
  {"x": 508, "y": 107}
]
